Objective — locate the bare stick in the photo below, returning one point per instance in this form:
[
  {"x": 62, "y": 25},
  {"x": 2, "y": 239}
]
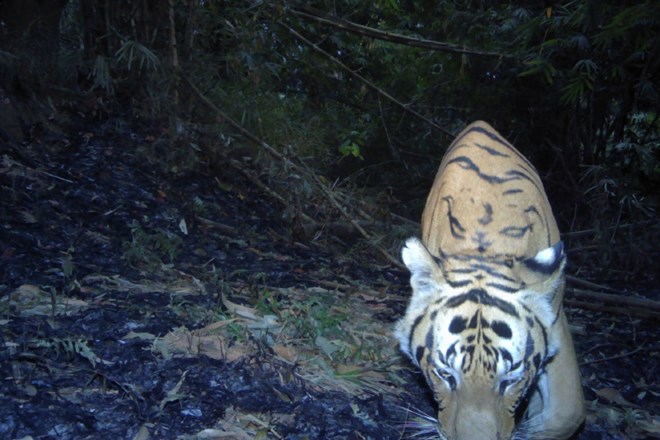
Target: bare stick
[
  {"x": 367, "y": 82},
  {"x": 588, "y": 284},
  {"x": 303, "y": 169},
  {"x": 340, "y": 23},
  {"x": 619, "y": 356},
  {"x": 616, "y": 300}
]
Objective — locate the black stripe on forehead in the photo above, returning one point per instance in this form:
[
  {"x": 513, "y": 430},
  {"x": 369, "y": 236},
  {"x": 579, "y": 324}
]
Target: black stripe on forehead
[
  {"x": 512, "y": 191},
  {"x": 429, "y": 338},
  {"x": 493, "y": 135},
  {"x": 491, "y": 271},
  {"x": 503, "y": 287},
  {"x": 490, "y": 150},
  {"x": 457, "y": 284},
  {"x": 544, "y": 333},
  {"x": 468, "y": 164},
  {"x": 529, "y": 346},
  {"x": 480, "y": 296},
  {"x": 497, "y": 260},
  {"x": 515, "y": 174},
  {"x": 449, "y": 354},
  {"x": 419, "y": 354},
  {"x": 501, "y": 329},
  {"x": 416, "y": 323},
  {"x": 430, "y": 330},
  {"x": 457, "y": 325}
]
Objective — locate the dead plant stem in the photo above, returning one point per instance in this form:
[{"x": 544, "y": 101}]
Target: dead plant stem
[
  {"x": 327, "y": 19},
  {"x": 366, "y": 81},
  {"x": 300, "y": 167}
]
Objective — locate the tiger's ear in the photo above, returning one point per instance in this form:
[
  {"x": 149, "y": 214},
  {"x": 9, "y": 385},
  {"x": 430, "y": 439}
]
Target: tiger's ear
[
  {"x": 426, "y": 277},
  {"x": 543, "y": 275},
  {"x": 544, "y": 272},
  {"x": 427, "y": 283}
]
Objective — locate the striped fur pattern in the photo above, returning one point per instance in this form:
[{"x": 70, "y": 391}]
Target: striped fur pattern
[{"x": 485, "y": 323}]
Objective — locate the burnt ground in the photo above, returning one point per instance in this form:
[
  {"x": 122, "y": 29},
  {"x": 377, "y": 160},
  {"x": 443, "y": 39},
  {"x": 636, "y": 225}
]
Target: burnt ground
[{"x": 138, "y": 303}]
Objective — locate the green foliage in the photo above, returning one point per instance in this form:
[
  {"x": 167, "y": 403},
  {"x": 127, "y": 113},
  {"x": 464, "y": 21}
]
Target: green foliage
[
  {"x": 70, "y": 347},
  {"x": 351, "y": 146},
  {"x": 580, "y": 82},
  {"x": 68, "y": 271},
  {"x": 574, "y": 85},
  {"x": 151, "y": 249},
  {"x": 590, "y": 65},
  {"x": 133, "y": 53},
  {"x": 101, "y": 76},
  {"x": 313, "y": 318}
]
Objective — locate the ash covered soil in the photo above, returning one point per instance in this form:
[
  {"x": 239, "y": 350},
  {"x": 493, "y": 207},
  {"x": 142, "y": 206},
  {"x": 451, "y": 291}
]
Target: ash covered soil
[{"x": 138, "y": 303}]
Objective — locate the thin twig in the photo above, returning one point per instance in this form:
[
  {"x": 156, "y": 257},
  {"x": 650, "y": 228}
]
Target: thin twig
[
  {"x": 618, "y": 300},
  {"x": 238, "y": 166},
  {"x": 618, "y": 356},
  {"x": 328, "y": 195},
  {"x": 588, "y": 284},
  {"x": 591, "y": 232},
  {"x": 340, "y": 23},
  {"x": 55, "y": 177},
  {"x": 393, "y": 149},
  {"x": 302, "y": 168},
  {"x": 613, "y": 310},
  {"x": 366, "y": 81}
]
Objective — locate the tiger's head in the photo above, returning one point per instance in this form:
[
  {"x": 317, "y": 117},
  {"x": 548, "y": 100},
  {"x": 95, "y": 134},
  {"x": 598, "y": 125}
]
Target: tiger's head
[{"x": 477, "y": 330}]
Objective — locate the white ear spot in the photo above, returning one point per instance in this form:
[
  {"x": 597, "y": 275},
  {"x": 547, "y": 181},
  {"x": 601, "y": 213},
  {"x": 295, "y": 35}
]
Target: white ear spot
[
  {"x": 414, "y": 254},
  {"x": 548, "y": 260},
  {"x": 546, "y": 256}
]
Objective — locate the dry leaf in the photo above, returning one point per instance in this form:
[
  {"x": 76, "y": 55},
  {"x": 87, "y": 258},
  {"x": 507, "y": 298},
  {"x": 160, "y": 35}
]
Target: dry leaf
[
  {"x": 198, "y": 342},
  {"x": 173, "y": 394},
  {"x": 140, "y": 335},
  {"x": 142, "y": 434},
  {"x": 652, "y": 427},
  {"x": 30, "y": 300},
  {"x": 237, "y": 309},
  {"x": 614, "y": 396}
]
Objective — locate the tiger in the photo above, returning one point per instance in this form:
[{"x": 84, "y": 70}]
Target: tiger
[{"x": 485, "y": 323}]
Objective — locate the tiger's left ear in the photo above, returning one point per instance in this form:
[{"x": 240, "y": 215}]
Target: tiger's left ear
[
  {"x": 426, "y": 278},
  {"x": 544, "y": 272}
]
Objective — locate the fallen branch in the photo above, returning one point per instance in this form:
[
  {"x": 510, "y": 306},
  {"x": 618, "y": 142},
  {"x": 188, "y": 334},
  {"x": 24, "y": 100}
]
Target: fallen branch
[
  {"x": 620, "y": 300},
  {"x": 588, "y": 284},
  {"x": 300, "y": 168},
  {"x": 366, "y": 81},
  {"x": 272, "y": 194},
  {"x": 619, "y": 356},
  {"x": 592, "y": 232},
  {"x": 345, "y": 214},
  {"x": 342, "y": 229},
  {"x": 613, "y": 310},
  {"x": 615, "y": 304},
  {"x": 340, "y": 23}
]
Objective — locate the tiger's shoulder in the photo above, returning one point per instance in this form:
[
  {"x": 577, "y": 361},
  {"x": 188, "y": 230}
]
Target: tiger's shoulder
[{"x": 487, "y": 200}]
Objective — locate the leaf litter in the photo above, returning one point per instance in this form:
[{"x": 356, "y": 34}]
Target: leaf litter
[{"x": 139, "y": 304}]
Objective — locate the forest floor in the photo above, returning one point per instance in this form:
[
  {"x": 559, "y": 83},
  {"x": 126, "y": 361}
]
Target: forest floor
[{"x": 141, "y": 304}]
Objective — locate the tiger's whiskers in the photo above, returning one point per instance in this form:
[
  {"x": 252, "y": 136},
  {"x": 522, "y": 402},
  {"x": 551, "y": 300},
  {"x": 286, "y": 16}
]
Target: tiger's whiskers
[{"x": 420, "y": 425}]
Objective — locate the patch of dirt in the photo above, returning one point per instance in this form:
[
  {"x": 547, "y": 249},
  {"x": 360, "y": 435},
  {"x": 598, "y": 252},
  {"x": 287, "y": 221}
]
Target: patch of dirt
[
  {"x": 137, "y": 303},
  {"x": 142, "y": 304}
]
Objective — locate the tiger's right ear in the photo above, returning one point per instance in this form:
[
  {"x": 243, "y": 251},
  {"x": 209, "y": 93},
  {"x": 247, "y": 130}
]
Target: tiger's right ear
[
  {"x": 426, "y": 278},
  {"x": 426, "y": 281}
]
